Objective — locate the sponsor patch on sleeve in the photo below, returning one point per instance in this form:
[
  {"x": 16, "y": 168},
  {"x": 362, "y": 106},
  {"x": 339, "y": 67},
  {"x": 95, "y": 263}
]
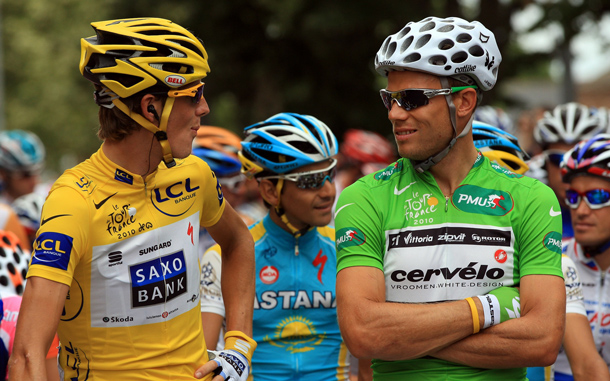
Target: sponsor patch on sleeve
[
  {"x": 552, "y": 241},
  {"x": 349, "y": 237},
  {"x": 53, "y": 250}
]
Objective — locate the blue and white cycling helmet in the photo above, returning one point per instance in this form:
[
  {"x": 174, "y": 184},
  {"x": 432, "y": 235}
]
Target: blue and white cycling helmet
[
  {"x": 589, "y": 157},
  {"x": 222, "y": 164},
  {"x": 21, "y": 151},
  {"x": 499, "y": 146},
  {"x": 494, "y": 116},
  {"x": 284, "y": 142}
]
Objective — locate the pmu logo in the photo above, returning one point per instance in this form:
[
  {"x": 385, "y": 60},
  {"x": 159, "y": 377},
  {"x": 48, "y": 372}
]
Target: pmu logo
[
  {"x": 473, "y": 199},
  {"x": 53, "y": 250},
  {"x": 158, "y": 281},
  {"x": 176, "y": 199}
]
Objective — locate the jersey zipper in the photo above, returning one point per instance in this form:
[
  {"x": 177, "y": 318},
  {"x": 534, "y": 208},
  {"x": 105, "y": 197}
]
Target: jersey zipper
[{"x": 446, "y": 203}]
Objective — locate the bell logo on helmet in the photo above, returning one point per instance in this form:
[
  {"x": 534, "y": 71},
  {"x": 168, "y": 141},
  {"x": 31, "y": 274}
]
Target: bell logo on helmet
[{"x": 175, "y": 80}]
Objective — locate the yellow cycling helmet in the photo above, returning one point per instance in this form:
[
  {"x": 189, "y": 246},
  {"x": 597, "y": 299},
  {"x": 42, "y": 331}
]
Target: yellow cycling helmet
[
  {"x": 131, "y": 55},
  {"x": 142, "y": 55}
]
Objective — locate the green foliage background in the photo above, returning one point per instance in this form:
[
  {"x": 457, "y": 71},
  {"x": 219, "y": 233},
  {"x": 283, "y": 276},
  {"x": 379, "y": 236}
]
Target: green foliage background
[{"x": 267, "y": 56}]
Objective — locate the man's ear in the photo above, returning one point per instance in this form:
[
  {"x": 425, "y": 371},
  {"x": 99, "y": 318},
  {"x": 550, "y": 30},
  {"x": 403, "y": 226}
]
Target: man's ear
[
  {"x": 466, "y": 102},
  {"x": 148, "y": 108},
  {"x": 268, "y": 191}
]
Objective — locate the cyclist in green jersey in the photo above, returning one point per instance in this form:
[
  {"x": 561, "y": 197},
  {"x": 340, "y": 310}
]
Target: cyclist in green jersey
[{"x": 449, "y": 266}]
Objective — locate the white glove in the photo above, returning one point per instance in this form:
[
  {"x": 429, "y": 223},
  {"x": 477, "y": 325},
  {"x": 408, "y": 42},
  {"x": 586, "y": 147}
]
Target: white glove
[{"x": 232, "y": 365}]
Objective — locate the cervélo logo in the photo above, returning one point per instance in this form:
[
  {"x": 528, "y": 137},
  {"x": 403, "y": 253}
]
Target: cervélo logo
[
  {"x": 552, "y": 241},
  {"x": 474, "y": 199},
  {"x": 347, "y": 237}
]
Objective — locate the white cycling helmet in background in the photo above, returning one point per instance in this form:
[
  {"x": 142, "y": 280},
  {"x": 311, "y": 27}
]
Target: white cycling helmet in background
[
  {"x": 21, "y": 151},
  {"x": 494, "y": 116},
  {"x": 29, "y": 210},
  {"x": 450, "y": 47},
  {"x": 569, "y": 123}
]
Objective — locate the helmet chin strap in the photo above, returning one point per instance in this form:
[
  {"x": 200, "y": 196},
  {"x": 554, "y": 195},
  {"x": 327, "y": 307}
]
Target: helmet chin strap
[
  {"x": 423, "y": 166},
  {"x": 280, "y": 212},
  {"x": 597, "y": 250},
  {"x": 160, "y": 132}
]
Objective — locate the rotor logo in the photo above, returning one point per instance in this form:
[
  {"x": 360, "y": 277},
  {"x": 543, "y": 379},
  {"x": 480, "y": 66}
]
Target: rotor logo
[{"x": 175, "y": 80}]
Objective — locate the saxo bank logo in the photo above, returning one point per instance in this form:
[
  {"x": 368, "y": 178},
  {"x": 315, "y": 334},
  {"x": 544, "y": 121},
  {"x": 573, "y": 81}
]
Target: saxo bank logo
[{"x": 176, "y": 199}]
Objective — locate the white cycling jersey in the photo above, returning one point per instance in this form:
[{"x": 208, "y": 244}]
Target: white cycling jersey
[{"x": 596, "y": 302}]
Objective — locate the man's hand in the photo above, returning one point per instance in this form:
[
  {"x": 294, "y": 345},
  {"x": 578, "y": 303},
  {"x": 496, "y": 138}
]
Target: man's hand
[
  {"x": 233, "y": 362},
  {"x": 500, "y": 305}
]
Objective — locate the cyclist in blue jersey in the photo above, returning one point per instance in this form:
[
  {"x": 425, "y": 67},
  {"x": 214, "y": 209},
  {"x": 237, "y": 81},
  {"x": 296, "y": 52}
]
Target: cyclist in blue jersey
[
  {"x": 556, "y": 132},
  {"x": 295, "y": 321},
  {"x": 431, "y": 249}
]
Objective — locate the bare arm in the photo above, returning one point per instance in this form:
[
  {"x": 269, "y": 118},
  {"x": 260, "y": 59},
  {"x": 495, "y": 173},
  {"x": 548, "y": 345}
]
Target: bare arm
[
  {"x": 237, "y": 277},
  {"x": 41, "y": 307},
  {"x": 531, "y": 340},
  {"x": 365, "y": 373},
  {"x": 585, "y": 361},
  {"x": 373, "y": 328},
  {"x": 212, "y": 324}
]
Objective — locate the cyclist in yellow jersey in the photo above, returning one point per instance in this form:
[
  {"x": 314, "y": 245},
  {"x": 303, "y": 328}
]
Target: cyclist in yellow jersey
[{"x": 115, "y": 267}]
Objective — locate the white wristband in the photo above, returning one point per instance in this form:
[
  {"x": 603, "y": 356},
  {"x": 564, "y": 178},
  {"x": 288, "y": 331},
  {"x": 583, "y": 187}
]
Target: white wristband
[{"x": 491, "y": 309}]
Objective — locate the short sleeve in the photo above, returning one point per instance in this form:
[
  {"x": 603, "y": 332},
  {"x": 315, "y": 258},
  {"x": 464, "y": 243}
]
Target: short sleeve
[{"x": 210, "y": 282}]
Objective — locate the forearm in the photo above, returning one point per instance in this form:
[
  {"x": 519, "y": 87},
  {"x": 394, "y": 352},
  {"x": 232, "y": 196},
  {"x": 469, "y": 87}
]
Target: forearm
[
  {"x": 27, "y": 366},
  {"x": 515, "y": 343},
  {"x": 238, "y": 285}
]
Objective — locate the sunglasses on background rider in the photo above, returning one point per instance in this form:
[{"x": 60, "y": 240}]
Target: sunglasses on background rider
[
  {"x": 310, "y": 179},
  {"x": 554, "y": 156},
  {"x": 410, "y": 99},
  {"x": 595, "y": 198},
  {"x": 232, "y": 183}
]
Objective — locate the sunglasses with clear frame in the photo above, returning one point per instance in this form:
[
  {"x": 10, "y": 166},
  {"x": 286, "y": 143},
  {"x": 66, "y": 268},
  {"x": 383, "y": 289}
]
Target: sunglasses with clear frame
[
  {"x": 410, "y": 99},
  {"x": 310, "y": 179}
]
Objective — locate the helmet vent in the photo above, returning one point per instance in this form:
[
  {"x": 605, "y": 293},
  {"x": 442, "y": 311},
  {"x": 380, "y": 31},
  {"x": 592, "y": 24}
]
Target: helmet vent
[
  {"x": 413, "y": 57},
  {"x": 427, "y": 26},
  {"x": 467, "y": 27},
  {"x": 403, "y": 32},
  {"x": 391, "y": 49},
  {"x": 422, "y": 41},
  {"x": 445, "y": 28},
  {"x": 463, "y": 38},
  {"x": 406, "y": 43},
  {"x": 446, "y": 44},
  {"x": 459, "y": 57},
  {"x": 476, "y": 51},
  {"x": 437, "y": 60}
]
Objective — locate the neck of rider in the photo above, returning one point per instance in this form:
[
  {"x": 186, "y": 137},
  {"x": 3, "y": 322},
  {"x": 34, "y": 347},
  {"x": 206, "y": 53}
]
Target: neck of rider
[{"x": 453, "y": 168}]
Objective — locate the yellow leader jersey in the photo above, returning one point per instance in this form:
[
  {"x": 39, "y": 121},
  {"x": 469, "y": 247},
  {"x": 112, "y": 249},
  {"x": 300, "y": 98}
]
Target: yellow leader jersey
[{"x": 127, "y": 248}]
